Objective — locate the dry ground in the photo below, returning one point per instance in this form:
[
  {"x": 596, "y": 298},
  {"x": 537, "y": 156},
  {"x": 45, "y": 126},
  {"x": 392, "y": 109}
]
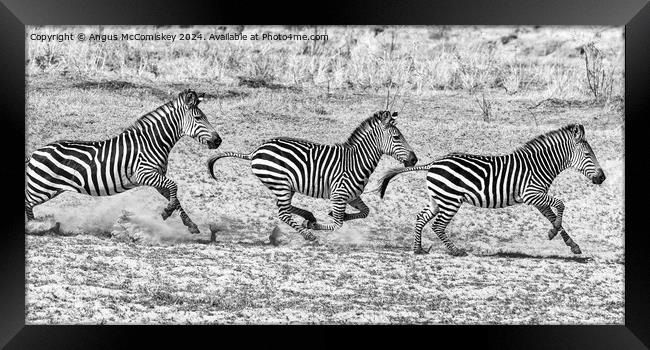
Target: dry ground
[
  {"x": 363, "y": 273},
  {"x": 86, "y": 279}
]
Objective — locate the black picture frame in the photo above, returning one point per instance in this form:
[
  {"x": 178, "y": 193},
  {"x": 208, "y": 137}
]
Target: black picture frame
[{"x": 633, "y": 14}]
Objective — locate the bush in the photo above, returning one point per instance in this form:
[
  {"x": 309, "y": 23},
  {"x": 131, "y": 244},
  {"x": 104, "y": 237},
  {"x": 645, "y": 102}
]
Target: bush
[{"x": 599, "y": 73}]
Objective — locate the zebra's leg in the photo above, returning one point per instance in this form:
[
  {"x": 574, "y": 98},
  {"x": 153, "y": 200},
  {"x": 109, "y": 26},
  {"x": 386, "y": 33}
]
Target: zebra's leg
[
  {"x": 305, "y": 214},
  {"x": 358, "y": 204},
  {"x": 165, "y": 186},
  {"x": 285, "y": 211},
  {"x": 338, "y": 213},
  {"x": 35, "y": 197},
  {"x": 29, "y": 211},
  {"x": 442, "y": 219},
  {"x": 184, "y": 217},
  {"x": 546, "y": 201},
  {"x": 550, "y": 215},
  {"x": 423, "y": 217},
  {"x": 30, "y": 203},
  {"x": 575, "y": 249}
]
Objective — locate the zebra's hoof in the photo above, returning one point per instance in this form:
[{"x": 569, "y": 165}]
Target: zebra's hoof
[
  {"x": 552, "y": 233},
  {"x": 165, "y": 215},
  {"x": 458, "y": 252},
  {"x": 308, "y": 224},
  {"x": 576, "y": 250},
  {"x": 420, "y": 251},
  {"x": 310, "y": 237},
  {"x": 194, "y": 229}
]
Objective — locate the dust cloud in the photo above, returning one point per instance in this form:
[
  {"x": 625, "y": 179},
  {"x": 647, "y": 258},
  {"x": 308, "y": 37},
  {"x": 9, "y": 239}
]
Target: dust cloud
[{"x": 132, "y": 216}]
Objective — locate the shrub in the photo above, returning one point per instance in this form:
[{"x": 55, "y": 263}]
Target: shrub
[{"x": 599, "y": 73}]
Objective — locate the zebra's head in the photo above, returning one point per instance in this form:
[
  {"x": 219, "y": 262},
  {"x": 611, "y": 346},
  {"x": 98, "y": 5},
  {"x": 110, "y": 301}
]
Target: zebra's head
[
  {"x": 194, "y": 122},
  {"x": 583, "y": 158},
  {"x": 392, "y": 142}
]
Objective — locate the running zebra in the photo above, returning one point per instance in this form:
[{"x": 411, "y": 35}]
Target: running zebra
[
  {"x": 338, "y": 172},
  {"x": 136, "y": 157},
  {"x": 523, "y": 176}
]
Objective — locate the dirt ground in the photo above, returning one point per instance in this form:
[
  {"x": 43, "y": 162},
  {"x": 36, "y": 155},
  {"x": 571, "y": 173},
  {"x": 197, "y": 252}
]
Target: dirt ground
[
  {"x": 99, "y": 270},
  {"x": 86, "y": 279}
]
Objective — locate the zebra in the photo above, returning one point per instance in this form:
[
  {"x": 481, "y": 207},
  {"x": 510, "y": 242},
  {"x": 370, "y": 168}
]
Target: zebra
[
  {"x": 136, "y": 157},
  {"x": 336, "y": 172},
  {"x": 523, "y": 176}
]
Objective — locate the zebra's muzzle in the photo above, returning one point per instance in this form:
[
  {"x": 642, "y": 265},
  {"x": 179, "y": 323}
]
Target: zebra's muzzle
[
  {"x": 599, "y": 177},
  {"x": 411, "y": 160},
  {"x": 214, "y": 142}
]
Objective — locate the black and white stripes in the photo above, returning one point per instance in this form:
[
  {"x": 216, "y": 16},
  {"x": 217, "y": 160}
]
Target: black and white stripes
[
  {"x": 339, "y": 172},
  {"x": 136, "y": 157},
  {"x": 139, "y": 155},
  {"x": 523, "y": 176}
]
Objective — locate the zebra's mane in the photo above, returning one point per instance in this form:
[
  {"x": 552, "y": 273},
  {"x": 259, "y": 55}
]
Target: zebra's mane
[
  {"x": 80, "y": 142},
  {"x": 529, "y": 145},
  {"x": 354, "y": 136},
  {"x": 288, "y": 138},
  {"x": 365, "y": 125},
  {"x": 148, "y": 116},
  {"x": 541, "y": 139}
]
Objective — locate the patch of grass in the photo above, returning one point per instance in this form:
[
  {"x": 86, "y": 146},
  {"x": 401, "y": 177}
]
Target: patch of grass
[
  {"x": 543, "y": 61},
  {"x": 600, "y": 74},
  {"x": 486, "y": 107},
  {"x": 105, "y": 85}
]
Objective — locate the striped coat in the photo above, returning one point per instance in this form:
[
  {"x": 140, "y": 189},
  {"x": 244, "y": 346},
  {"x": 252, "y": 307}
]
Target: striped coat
[
  {"x": 136, "y": 157},
  {"x": 523, "y": 176},
  {"x": 338, "y": 172}
]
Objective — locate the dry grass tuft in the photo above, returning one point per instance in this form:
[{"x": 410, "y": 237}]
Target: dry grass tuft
[
  {"x": 486, "y": 107},
  {"x": 543, "y": 61}
]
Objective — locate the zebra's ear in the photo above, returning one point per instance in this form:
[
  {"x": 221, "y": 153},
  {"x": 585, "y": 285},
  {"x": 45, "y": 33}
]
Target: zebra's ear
[
  {"x": 578, "y": 132},
  {"x": 384, "y": 116},
  {"x": 190, "y": 98}
]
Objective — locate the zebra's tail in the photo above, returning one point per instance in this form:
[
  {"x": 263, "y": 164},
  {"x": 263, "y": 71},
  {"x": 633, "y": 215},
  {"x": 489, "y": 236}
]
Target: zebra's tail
[
  {"x": 218, "y": 156},
  {"x": 390, "y": 174}
]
